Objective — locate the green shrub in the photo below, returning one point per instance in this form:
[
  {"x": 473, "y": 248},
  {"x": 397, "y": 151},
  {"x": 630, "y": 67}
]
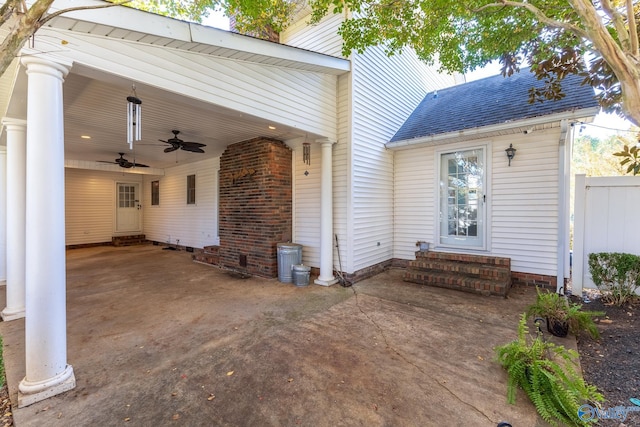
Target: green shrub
[
  {"x": 617, "y": 275},
  {"x": 548, "y": 374}
]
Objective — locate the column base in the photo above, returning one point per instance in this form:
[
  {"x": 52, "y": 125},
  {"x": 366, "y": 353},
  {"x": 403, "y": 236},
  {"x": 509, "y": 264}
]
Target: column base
[
  {"x": 32, "y": 392},
  {"x": 8, "y": 314},
  {"x": 325, "y": 282}
]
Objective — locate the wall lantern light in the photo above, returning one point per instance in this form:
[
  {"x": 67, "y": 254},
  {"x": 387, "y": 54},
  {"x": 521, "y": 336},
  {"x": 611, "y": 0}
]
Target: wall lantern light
[{"x": 511, "y": 153}]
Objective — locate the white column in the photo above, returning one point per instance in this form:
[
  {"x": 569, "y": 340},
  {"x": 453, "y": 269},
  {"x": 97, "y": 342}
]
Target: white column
[
  {"x": 47, "y": 371},
  {"x": 3, "y": 216},
  {"x": 16, "y": 229},
  {"x": 326, "y": 277}
]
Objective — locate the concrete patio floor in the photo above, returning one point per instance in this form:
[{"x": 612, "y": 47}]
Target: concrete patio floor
[{"x": 156, "y": 339}]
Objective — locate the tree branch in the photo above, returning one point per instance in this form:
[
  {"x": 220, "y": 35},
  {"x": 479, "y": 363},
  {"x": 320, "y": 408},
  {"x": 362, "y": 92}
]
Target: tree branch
[
  {"x": 7, "y": 10},
  {"x": 618, "y": 22},
  {"x": 73, "y": 9},
  {"x": 633, "y": 31},
  {"x": 538, "y": 14}
]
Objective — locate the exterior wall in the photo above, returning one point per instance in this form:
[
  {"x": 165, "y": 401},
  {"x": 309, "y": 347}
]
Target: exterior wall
[
  {"x": 522, "y": 208},
  {"x": 90, "y": 204},
  {"x": 255, "y": 205},
  {"x": 373, "y": 102},
  {"x": 194, "y": 225},
  {"x": 322, "y": 38},
  {"x": 385, "y": 92},
  {"x": 306, "y": 201}
]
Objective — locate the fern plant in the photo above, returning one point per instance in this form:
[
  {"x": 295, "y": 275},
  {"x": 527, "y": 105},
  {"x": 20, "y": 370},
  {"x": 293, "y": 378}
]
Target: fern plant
[
  {"x": 548, "y": 375},
  {"x": 555, "y": 307}
]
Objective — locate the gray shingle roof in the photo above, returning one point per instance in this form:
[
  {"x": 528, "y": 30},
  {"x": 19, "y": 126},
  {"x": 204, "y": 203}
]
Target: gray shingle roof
[{"x": 489, "y": 101}]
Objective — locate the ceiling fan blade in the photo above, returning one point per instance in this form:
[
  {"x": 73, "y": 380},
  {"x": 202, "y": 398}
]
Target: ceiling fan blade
[
  {"x": 192, "y": 149},
  {"x": 193, "y": 144},
  {"x": 139, "y": 165},
  {"x": 170, "y": 149}
]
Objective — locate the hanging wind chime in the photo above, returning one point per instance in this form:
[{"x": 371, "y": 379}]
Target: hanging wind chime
[
  {"x": 134, "y": 117},
  {"x": 306, "y": 153}
]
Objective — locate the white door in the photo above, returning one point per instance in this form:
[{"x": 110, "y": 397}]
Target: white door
[
  {"x": 462, "y": 199},
  {"x": 128, "y": 208}
]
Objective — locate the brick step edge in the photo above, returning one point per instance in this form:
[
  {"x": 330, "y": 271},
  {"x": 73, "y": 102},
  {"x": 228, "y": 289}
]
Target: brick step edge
[
  {"x": 481, "y": 271},
  {"x": 459, "y": 282},
  {"x": 207, "y": 259},
  {"x": 464, "y": 258}
]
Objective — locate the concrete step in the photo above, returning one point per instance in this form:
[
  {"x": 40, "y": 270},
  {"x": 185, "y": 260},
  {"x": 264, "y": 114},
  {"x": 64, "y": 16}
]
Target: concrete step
[{"x": 458, "y": 282}]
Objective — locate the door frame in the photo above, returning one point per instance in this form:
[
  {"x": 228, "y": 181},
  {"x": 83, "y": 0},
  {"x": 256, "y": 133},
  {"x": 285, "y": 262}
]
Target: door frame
[{"x": 488, "y": 153}]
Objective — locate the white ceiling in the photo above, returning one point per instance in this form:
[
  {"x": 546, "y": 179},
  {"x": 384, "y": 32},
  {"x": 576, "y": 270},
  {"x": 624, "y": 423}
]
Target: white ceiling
[{"x": 97, "y": 108}]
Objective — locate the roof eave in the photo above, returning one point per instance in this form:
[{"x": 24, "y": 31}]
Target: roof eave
[
  {"x": 486, "y": 131},
  {"x": 161, "y": 26}
]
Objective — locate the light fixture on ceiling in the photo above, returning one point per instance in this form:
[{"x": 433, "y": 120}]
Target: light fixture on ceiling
[
  {"x": 272, "y": 127},
  {"x": 85, "y": 136},
  {"x": 134, "y": 117},
  {"x": 511, "y": 153}
]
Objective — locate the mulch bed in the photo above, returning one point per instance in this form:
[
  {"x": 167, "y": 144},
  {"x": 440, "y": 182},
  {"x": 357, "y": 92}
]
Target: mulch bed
[
  {"x": 612, "y": 363},
  {"x": 6, "y": 418}
]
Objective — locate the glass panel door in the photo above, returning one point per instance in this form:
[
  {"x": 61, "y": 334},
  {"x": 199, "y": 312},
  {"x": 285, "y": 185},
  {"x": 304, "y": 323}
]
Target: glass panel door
[{"x": 462, "y": 207}]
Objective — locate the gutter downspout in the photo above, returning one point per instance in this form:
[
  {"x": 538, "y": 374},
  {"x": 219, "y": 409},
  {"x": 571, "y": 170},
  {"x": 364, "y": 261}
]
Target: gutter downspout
[{"x": 564, "y": 169}]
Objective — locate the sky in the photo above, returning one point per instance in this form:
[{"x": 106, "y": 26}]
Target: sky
[{"x": 217, "y": 20}]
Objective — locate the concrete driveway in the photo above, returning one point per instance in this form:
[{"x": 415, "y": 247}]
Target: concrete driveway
[{"x": 155, "y": 339}]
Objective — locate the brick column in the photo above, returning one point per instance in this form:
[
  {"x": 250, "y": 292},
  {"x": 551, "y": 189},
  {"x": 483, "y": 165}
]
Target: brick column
[{"x": 255, "y": 205}]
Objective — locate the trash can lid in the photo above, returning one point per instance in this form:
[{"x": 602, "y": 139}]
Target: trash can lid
[
  {"x": 301, "y": 267},
  {"x": 289, "y": 245}
]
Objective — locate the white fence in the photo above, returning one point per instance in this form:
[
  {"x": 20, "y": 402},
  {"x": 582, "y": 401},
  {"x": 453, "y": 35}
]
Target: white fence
[{"x": 606, "y": 219}]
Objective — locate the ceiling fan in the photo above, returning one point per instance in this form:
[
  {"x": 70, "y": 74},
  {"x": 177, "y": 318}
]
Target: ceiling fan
[
  {"x": 124, "y": 163},
  {"x": 176, "y": 143}
]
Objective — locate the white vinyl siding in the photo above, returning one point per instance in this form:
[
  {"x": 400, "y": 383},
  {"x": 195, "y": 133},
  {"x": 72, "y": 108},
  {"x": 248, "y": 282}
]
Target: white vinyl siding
[
  {"x": 522, "y": 200},
  {"x": 342, "y": 176},
  {"x": 322, "y": 37},
  {"x": 90, "y": 200},
  {"x": 194, "y": 225},
  {"x": 300, "y": 99},
  {"x": 306, "y": 202},
  {"x": 385, "y": 92}
]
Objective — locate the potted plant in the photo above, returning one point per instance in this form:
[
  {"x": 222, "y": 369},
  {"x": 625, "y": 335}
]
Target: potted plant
[
  {"x": 563, "y": 316},
  {"x": 422, "y": 245}
]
